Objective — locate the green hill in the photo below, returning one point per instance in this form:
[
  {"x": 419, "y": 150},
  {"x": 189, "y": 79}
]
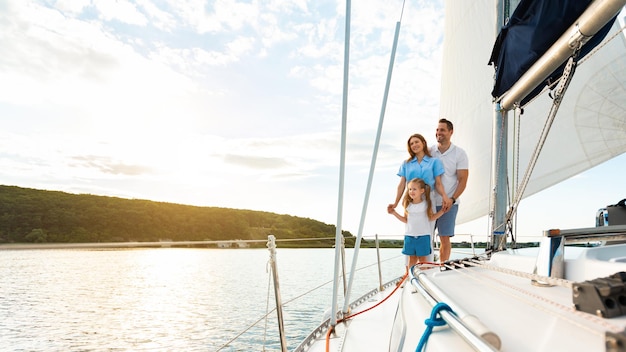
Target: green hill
[{"x": 36, "y": 216}]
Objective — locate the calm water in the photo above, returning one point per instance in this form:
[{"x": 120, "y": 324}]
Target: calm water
[{"x": 168, "y": 299}]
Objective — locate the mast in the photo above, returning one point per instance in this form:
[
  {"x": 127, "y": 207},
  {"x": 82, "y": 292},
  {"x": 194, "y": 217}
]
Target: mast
[{"x": 499, "y": 158}]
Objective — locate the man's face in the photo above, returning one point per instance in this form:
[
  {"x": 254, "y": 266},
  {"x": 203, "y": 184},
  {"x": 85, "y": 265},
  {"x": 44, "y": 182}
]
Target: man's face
[{"x": 443, "y": 134}]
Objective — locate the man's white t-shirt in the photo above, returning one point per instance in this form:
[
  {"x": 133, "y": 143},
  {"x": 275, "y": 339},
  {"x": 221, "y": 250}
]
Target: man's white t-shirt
[{"x": 453, "y": 159}]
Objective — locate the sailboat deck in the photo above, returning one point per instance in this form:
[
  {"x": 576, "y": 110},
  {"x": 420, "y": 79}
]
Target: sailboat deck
[
  {"x": 526, "y": 317},
  {"x": 499, "y": 294},
  {"x": 368, "y": 331}
]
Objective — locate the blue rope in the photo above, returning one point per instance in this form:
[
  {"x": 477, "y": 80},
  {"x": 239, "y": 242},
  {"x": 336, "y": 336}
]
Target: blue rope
[{"x": 434, "y": 320}]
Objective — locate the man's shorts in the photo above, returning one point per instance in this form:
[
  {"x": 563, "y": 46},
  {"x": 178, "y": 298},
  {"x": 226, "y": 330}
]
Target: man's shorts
[{"x": 445, "y": 224}]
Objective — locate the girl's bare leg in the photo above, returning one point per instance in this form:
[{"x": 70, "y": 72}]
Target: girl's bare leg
[{"x": 412, "y": 261}]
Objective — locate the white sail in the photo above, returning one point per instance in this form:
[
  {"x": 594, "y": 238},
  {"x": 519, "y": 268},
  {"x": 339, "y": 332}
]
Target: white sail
[{"x": 590, "y": 127}]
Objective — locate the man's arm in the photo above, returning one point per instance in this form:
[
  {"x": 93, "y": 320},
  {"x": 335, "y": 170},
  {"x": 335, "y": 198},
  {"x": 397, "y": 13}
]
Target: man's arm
[
  {"x": 446, "y": 202},
  {"x": 461, "y": 176}
]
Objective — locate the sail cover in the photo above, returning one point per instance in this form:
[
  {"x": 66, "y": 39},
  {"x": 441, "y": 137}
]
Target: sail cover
[{"x": 534, "y": 26}]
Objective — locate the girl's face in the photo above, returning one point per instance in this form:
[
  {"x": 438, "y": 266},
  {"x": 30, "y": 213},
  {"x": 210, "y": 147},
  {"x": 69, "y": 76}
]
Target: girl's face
[
  {"x": 416, "y": 145},
  {"x": 415, "y": 192}
]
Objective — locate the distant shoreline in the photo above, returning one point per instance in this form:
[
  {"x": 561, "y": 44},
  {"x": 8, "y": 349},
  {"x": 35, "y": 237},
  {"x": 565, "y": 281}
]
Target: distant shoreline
[
  {"x": 239, "y": 244},
  {"x": 163, "y": 244}
]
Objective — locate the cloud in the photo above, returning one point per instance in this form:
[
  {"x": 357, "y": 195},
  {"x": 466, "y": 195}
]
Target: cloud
[
  {"x": 183, "y": 100},
  {"x": 123, "y": 11},
  {"x": 108, "y": 166},
  {"x": 256, "y": 162},
  {"x": 158, "y": 18}
]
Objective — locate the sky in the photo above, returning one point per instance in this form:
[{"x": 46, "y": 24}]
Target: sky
[{"x": 233, "y": 104}]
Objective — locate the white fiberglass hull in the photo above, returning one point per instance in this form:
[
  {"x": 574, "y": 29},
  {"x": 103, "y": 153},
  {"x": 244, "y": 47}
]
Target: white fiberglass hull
[{"x": 523, "y": 316}]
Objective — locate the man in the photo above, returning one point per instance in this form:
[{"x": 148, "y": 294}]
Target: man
[{"x": 454, "y": 179}]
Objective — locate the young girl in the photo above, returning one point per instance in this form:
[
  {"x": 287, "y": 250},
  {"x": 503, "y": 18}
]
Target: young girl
[{"x": 418, "y": 213}]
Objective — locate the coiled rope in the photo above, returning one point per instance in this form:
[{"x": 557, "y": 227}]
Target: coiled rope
[{"x": 434, "y": 320}]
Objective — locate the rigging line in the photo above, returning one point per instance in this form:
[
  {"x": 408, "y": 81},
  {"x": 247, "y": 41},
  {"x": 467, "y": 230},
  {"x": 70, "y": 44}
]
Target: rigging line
[
  {"x": 291, "y": 300},
  {"x": 379, "y": 303},
  {"x": 244, "y": 331},
  {"x": 461, "y": 251},
  {"x": 568, "y": 73},
  {"x": 304, "y": 239},
  {"x": 590, "y": 317},
  {"x": 604, "y": 42},
  {"x": 329, "y": 281},
  {"x": 372, "y": 163},
  {"x": 342, "y": 159},
  {"x": 402, "y": 11},
  {"x": 182, "y": 243},
  {"x": 268, "y": 269},
  {"x": 287, "y": 302},
  {"x": 563, "y": 83}
]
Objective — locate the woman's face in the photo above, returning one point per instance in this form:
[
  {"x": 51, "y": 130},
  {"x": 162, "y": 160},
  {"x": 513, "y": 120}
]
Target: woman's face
[{"x": 416, "y": 145}]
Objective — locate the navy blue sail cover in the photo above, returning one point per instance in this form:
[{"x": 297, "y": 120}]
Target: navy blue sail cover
[{"x": 534, "y": 26}]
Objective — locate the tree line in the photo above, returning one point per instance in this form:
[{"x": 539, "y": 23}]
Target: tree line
[{"x": 38, "y": 216}]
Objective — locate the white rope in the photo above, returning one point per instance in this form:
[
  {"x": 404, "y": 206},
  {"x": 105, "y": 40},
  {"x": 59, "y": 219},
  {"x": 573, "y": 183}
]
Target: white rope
[
  {"x": 535, "y": 277},
  {"x": 601, "y": 45},
  {"x": 562, "y": 310}
]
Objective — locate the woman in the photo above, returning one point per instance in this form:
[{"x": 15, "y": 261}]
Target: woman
[{"x": 421, "y": 164}]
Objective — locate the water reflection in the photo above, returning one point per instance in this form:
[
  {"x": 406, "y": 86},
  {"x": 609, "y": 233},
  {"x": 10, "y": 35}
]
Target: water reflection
[{"x": 162, "y": 299}]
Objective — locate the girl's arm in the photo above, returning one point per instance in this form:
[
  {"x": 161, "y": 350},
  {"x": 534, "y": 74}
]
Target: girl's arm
[
  {"x": 436, "y": 215},
  {"x": 400, "y": 217}
]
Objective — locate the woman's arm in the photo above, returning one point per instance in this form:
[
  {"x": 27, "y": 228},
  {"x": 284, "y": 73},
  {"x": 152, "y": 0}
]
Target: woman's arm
[
  {"x": 447, "y": 202},
  {"x": 399, "y": 193}
]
